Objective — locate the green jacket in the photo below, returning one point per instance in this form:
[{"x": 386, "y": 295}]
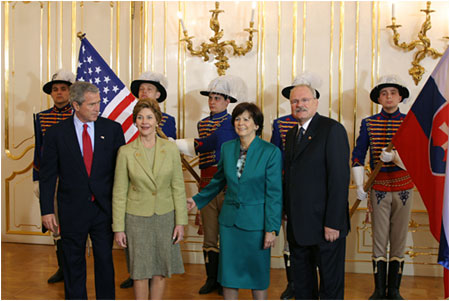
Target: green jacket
[
  {"x": 138, "y": 190},
  {"x": 254, "y": 201}
]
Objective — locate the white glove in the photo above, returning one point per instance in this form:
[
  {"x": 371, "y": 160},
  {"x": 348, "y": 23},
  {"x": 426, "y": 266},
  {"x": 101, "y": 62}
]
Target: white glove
[
  {"x": 170, "y": 139},
  {"x": 362, "y": 195},
  {"x": 186, "y": 146},
  {"x": 387, "y": 156},
  {"x": 36, "y": 188},
  {"x": 358, "y": 179}
]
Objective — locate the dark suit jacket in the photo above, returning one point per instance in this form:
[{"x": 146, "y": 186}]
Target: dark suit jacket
[
  {"x": 62, "y": 159},
  {"x": 317, "y": 176}
]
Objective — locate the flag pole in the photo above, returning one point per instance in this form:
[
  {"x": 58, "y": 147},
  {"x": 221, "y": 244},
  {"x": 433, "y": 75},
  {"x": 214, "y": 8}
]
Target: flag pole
[
  {"x": 183, "y": 160},
  {"x": 81, "y": 35},
  {"x": 371, "y": 179}
]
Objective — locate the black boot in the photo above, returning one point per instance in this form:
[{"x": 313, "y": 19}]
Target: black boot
[
  {"x": 394, "y": 280},
  {"x": 212, "y": 266},
  {"x": 379, "y": 274},
  {"x": 58, "y": 276},
  {"x": 289, "y": 291},
  {"x": 127, "y": 283}
]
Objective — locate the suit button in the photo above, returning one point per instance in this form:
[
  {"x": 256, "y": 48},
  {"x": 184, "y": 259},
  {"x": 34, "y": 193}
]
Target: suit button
[
  {"x": 134, "y": 188},
  {"x": 153, "y": 193}
]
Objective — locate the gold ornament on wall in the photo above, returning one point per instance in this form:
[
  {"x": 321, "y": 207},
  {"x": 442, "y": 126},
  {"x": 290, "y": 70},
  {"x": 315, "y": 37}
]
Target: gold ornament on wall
[
  {"x": 423, "y": 44},
  {"x": 217, "y": 47}
]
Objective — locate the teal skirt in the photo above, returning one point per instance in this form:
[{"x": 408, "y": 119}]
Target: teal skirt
[{"x": 243, "y": 263}]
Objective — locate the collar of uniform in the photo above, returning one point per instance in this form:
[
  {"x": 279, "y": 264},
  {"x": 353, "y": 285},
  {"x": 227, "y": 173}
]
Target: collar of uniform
[
  {"x": 64, "y": 109},
  {"x": 390, "y": 115},
  {"x": 218, "y": 115}
]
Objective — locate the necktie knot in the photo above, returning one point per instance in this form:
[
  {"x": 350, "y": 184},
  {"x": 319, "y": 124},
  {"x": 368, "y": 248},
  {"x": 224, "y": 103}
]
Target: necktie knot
[{"x": 85, "y": 126}]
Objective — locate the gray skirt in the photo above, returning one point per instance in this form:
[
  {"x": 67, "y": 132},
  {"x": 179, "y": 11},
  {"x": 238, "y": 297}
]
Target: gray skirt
[{"x": 150, "y": 247}]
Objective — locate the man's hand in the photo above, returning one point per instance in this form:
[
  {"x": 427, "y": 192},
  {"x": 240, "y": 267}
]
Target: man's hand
[
  {"x": 186, "y": 146},
  {"x": 331, "y": 234},
  {"x": 269, "y": 240},
  {"x": 178, "y": 234},
  {"x": 387, "y": 156},
  {"x": 121, "y": 239},
  {"x": 362, "y": 195},
  {"x": 49, "y": 222}
]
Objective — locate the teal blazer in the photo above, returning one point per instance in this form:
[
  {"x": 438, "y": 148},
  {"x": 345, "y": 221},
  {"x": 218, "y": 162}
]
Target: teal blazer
[{"x": 254, "y": 201}]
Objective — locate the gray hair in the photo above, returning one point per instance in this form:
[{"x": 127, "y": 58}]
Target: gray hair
[
  {"x": 313, "y": 91},
  {"x": 78, "y": 89}
]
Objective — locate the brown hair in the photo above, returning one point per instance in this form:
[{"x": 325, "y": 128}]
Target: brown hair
[
  {"x": 147, "y": 103},
  {"x": 254, "y": 112}
]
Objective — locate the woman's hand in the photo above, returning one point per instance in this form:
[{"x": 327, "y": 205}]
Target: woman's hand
[
  {"x": 121, "y": 239},
  {"x": 178, "y": 234},
  {"x": 190, "y": 204},
  {"x": 269, "y": 240}
]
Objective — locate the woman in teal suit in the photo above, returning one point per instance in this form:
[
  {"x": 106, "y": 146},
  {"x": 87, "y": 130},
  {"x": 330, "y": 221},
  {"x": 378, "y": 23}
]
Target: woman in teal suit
[{"x": 251, "y": 214}]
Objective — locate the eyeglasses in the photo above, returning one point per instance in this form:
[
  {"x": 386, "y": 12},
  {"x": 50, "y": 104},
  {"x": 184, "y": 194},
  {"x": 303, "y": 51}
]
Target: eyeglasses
[{"x": 302, "y": 100}]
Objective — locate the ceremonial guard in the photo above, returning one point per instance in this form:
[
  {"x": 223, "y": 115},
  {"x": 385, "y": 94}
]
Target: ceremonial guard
[
  {"x": 279, "y": 129},
  {"x": 152, "y": 85},
  {"x": 213, "y": 131},
  {"x": 391, "y": 195},
  {"x": 58, "y": 89}
]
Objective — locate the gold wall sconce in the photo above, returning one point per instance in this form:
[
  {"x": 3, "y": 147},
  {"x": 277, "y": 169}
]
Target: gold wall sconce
[
  {"x": 217, "y": 47},
  {"x": 423, "y": 44}
]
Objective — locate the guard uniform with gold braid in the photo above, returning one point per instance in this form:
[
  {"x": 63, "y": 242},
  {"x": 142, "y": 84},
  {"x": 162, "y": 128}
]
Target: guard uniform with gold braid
[
  {"x": 375, "y": 133},
  {"x": 42, "y": 122},
  {"x": 168, "y": 126},
  {"x": 392, "y": 183},
  {"x": 213, "y": 130},
  {"x": 280, "y": 128}
]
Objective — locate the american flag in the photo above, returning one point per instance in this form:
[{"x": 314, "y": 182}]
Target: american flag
[{"x": 117, "y": 102}]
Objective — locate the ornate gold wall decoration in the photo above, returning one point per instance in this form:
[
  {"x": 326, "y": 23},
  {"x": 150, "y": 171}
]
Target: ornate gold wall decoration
[
  {"x": 216, "y": 47},
  {"x": 423, "y": 44}
]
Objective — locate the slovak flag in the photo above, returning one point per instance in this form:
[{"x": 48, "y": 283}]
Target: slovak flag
[
  {"x": 422, "y": 143},
  {"x": 117, "y": 102}
]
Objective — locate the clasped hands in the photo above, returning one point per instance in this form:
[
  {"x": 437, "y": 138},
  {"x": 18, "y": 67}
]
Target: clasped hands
[{"x": 178, "y": 233}]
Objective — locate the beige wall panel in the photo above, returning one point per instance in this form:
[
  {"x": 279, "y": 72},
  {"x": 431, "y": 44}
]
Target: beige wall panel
[
  {"x": 286, "y": 46},
  {"x": 124, "y": 42},
  {"x": 24, "y": 98}
]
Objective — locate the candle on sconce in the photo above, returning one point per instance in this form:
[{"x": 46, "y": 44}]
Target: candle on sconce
[
  {"x": 393, "y": 9},
  {"x": 252, "y": 19},
  {"x": 181, "y": 21}
]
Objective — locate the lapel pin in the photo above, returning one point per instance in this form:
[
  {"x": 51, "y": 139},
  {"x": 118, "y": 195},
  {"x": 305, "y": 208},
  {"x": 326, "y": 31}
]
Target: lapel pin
[{"x": 102, "y": 137}]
